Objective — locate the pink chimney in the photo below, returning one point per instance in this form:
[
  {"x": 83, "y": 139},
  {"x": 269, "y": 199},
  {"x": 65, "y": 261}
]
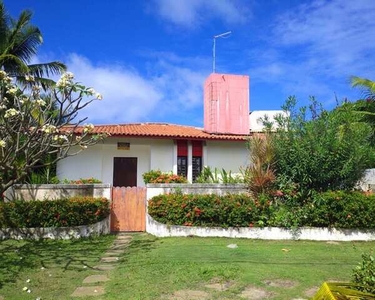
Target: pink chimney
[{"x": 226, "y": 104}]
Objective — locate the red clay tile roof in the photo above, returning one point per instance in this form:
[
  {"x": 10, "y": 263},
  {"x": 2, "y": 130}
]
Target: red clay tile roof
[{"x": 160, "y": 130}]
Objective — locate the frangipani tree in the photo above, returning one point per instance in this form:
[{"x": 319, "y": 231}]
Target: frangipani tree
[{"x": 34, "y": 125}]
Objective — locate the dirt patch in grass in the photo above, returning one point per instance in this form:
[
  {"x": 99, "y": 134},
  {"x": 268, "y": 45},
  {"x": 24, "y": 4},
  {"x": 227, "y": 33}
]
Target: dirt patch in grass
[
  {"x": 311, "y": 291},
  {"x": 189, "y": 295},
  {"x": 255, "y": 293},
  {"x": 281, "y": 283},
  {"x": 219, "y": 284}
]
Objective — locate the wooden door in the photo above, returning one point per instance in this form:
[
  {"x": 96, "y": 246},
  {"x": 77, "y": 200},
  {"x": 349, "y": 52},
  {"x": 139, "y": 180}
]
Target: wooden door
[
  {"x": 125, "y": 171},
  {"x": 128, "y": 209}
]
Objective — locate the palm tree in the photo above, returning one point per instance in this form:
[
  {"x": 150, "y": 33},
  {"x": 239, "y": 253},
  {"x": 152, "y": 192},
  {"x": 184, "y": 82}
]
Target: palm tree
[
  {"x": 19, "y": 42},
  {"x": 367, "y": 85}
]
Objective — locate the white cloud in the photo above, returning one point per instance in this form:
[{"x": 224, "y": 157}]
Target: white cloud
[
  {"x": 315, "y": 47},
  {"x": 129, "y": 96},
  {"x": 191, "y": 13},
  {"x": 338, "y": 35}
]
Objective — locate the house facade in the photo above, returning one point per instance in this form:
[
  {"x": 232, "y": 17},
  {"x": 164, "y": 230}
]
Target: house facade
[{"x": 133, "y": 149}]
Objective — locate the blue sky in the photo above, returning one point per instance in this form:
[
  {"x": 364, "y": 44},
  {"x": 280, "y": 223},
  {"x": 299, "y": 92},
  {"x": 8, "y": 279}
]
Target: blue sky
[{"x": 149, "y": 58}]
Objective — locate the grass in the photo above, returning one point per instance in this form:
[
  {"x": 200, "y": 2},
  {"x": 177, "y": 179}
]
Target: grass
[
  {"x": 157, "y": 267},
  {"x": 55, "y": 268},
  {"x": 153, "y": 268}
]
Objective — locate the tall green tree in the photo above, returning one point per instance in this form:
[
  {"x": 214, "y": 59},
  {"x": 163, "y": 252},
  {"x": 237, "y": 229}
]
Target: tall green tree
[
  {"x": 322, "y": 150},
  {"x": 19, "y": 43}
]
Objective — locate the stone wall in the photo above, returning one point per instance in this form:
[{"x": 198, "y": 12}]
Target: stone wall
[
  {"x": 368, "y": 180},
  {"x": 56, "y": 191}
]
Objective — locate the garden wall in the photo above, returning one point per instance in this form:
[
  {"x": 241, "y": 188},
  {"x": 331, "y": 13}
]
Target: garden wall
[
  {"x": 267, "y": 233},
  {"x": 368, "y": 180},
  {"x": 196, "y": 188},
  {"x": 56, "y": 191},
  {"x": 65, "y": 233}
]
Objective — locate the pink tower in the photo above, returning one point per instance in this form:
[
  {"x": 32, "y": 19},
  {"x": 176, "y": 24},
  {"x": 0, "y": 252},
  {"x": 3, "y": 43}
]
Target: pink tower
[{"x": 226, "y": 104}]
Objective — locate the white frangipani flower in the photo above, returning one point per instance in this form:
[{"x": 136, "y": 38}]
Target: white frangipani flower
[
  {"x": 11, "y": 113},
  {"x": 47, "y": 128},
  {"x": 88, "y": 128},
  {"x": 29, "y": 78},
  {"x": 41, "y": 102}
]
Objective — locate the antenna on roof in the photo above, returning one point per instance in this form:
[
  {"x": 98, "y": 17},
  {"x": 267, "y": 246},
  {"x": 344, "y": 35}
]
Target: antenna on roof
[{"x": 225, "y": 34}]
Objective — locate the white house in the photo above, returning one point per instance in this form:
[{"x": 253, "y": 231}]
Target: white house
[{"x": 133, "y": 149}]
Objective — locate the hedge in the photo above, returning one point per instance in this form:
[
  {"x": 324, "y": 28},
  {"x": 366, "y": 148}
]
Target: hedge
[
  {"x": 206, "y": 210},
  {"x": 339, "y": 209},
  {"x": 57, "y": 213}
]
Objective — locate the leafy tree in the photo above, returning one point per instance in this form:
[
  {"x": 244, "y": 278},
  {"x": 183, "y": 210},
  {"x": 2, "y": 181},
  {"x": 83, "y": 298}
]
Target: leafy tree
[
  {"x": 19, "y": 42},
  {"x": 321, "y": 150},
  {"x": 32, "y": 128}
]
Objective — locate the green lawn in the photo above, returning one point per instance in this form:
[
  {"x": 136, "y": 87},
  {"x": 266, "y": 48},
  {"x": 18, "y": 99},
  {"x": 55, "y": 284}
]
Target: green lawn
[
  {"x": 153, "y": 268},
  {"x": 55, "y": 268}
]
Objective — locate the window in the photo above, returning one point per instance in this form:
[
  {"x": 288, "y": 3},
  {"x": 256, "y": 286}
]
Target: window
[
  {"x": 182, "y": 166},
  {"x": 197, "y": 167},
  {"x": 182, "y": 158},
  {"x": 197, "y": 158}
]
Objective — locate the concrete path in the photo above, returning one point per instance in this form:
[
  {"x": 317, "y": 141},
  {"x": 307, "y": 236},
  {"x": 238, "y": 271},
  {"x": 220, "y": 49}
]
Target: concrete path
[{"x": 93, "y": 285}]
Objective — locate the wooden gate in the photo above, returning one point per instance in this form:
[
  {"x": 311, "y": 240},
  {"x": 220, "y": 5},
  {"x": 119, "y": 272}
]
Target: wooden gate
[{"x": 128, "y": 209}]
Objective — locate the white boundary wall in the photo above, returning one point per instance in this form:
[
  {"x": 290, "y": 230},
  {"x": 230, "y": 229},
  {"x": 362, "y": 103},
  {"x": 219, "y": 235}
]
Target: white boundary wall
[
  {"x": 64, "y": 233},
  {"x": 45, "y": 192},
  {"x": 267, "y": 233}
]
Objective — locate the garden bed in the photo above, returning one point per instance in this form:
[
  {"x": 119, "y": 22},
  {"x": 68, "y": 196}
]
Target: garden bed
[{"x": 99, "y": 228}]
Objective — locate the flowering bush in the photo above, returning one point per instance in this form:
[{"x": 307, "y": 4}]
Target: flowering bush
[
  {"x": 208, "y": 210},
  {"x": 91, "y": 180},
  {"x": 157, "y": 176},
  {"x": 340, "y": 209},
  {"x": 57, "y": 213}
]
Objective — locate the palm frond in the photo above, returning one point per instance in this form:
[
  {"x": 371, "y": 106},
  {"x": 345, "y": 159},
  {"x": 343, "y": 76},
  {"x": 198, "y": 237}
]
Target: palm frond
[
  {"x": 366, "y": 84},
  {"x": 47, "y": 69},
  {"x": 3, "y": 26},
  {"x": 336, "y": 291},
  {"x": 26, "y": 43},
  {"x": 45, "y": 83},
  {"x": 12, "y": 64}
]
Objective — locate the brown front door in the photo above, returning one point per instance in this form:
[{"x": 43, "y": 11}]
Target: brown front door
[{"x": 125, "y": 171}]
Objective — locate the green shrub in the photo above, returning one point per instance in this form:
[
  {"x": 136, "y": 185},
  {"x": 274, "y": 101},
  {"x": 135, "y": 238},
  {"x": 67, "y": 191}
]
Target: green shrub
[
  {"x": 340, "y": 209},
  {"x": 91, "y": 180},
  {"x": 157, "y": 176},
  {"x": 364, "y": 274},
  {"x": 209, "y": 210},
  {"x": 57, "y": 213},
  {"x": 322, "y": 150},
  {"x": 208, "y": 175}
]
